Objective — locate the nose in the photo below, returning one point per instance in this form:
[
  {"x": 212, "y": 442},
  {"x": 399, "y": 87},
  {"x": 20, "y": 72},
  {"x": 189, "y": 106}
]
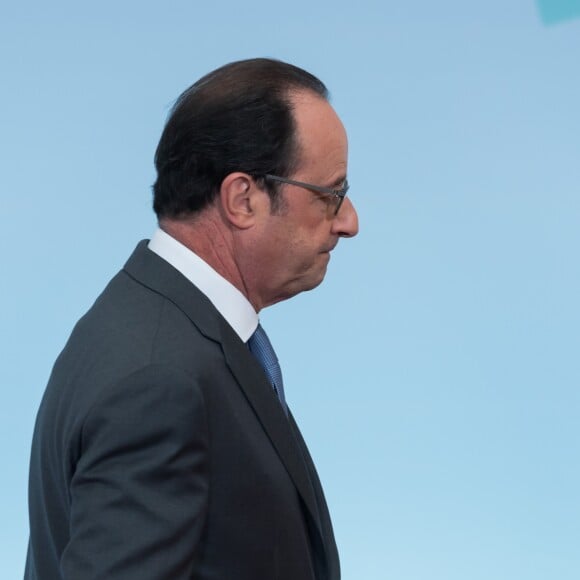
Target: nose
[{"x": 345, "y": 223}]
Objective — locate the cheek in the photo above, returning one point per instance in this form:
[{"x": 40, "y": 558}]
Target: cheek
[
  {"x": 305, "y": 254},
  {"x": 295, "y": 246}
]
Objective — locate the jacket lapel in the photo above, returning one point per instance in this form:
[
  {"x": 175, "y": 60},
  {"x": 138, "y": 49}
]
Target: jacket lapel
[
  {"x": 332, "y": 564},
  {"x": 266, "y": 405},
  {"x": 158, "y": 275}
]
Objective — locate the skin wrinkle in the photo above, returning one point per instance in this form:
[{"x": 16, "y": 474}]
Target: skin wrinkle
[{"x": 205, "y": 235}]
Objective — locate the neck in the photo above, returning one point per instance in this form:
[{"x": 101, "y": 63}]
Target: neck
[{"x": 214, "y": 242}]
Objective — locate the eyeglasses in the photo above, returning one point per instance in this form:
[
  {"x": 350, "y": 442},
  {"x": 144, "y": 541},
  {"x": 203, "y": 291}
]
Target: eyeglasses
[{"x": 339, "y": 194}]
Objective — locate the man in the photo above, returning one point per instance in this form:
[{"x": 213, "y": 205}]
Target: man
[{"x": 164, "y": 448}]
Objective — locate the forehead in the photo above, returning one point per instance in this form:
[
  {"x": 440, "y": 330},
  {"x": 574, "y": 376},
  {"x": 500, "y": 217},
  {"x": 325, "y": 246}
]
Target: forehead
[{"x": 320, "y": 133}]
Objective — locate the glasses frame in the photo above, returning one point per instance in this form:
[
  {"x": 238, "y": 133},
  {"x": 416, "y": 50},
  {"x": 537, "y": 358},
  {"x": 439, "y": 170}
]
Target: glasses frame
[{"x": 339, "y": 194}]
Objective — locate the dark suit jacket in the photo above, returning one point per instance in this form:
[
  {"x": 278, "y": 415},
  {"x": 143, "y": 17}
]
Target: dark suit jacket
[{"x": 161, "y": 451}]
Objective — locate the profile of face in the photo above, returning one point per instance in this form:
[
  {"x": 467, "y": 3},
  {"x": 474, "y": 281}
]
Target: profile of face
[{"x": 295, "y": 243}]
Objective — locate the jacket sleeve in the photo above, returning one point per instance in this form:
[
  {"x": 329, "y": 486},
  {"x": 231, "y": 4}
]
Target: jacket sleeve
[{"x": 139, "y": 490}]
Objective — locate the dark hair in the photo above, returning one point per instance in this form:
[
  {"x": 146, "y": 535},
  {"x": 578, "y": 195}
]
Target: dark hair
[{"x": 236, "y": 118}]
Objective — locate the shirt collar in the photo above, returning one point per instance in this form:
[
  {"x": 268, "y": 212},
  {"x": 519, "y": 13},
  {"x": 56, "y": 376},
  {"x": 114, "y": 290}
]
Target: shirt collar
[{"x": 227, "y": 299}]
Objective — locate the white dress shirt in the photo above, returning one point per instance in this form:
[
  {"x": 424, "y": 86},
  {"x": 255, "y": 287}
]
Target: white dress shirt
[{"x": 228, "y": 300}]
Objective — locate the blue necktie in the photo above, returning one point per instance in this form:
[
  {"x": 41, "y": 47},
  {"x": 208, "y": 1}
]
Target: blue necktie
[{"x": 261, "y": 347}]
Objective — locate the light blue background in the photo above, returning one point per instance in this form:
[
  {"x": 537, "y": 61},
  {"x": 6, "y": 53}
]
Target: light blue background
[{"x": 435, "y": 373}]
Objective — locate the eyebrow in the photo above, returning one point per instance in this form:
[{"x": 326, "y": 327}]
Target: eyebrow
[{"x": 338, "y": 182}]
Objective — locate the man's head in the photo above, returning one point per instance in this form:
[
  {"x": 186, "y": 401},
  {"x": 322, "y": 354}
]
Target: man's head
[
  {"x": 236, "y": 118},
  {"x": 290, "y": 249},
  {"x": 248, "y": 164}
]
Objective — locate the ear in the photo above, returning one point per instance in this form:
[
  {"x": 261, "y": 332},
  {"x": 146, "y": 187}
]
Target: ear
[{"x": 241, "y": 200}]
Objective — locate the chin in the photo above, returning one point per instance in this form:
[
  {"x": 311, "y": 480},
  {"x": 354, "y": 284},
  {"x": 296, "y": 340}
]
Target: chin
[
  {"x": 309, "y": 280},
  {"x": 316, "y": 280}
]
